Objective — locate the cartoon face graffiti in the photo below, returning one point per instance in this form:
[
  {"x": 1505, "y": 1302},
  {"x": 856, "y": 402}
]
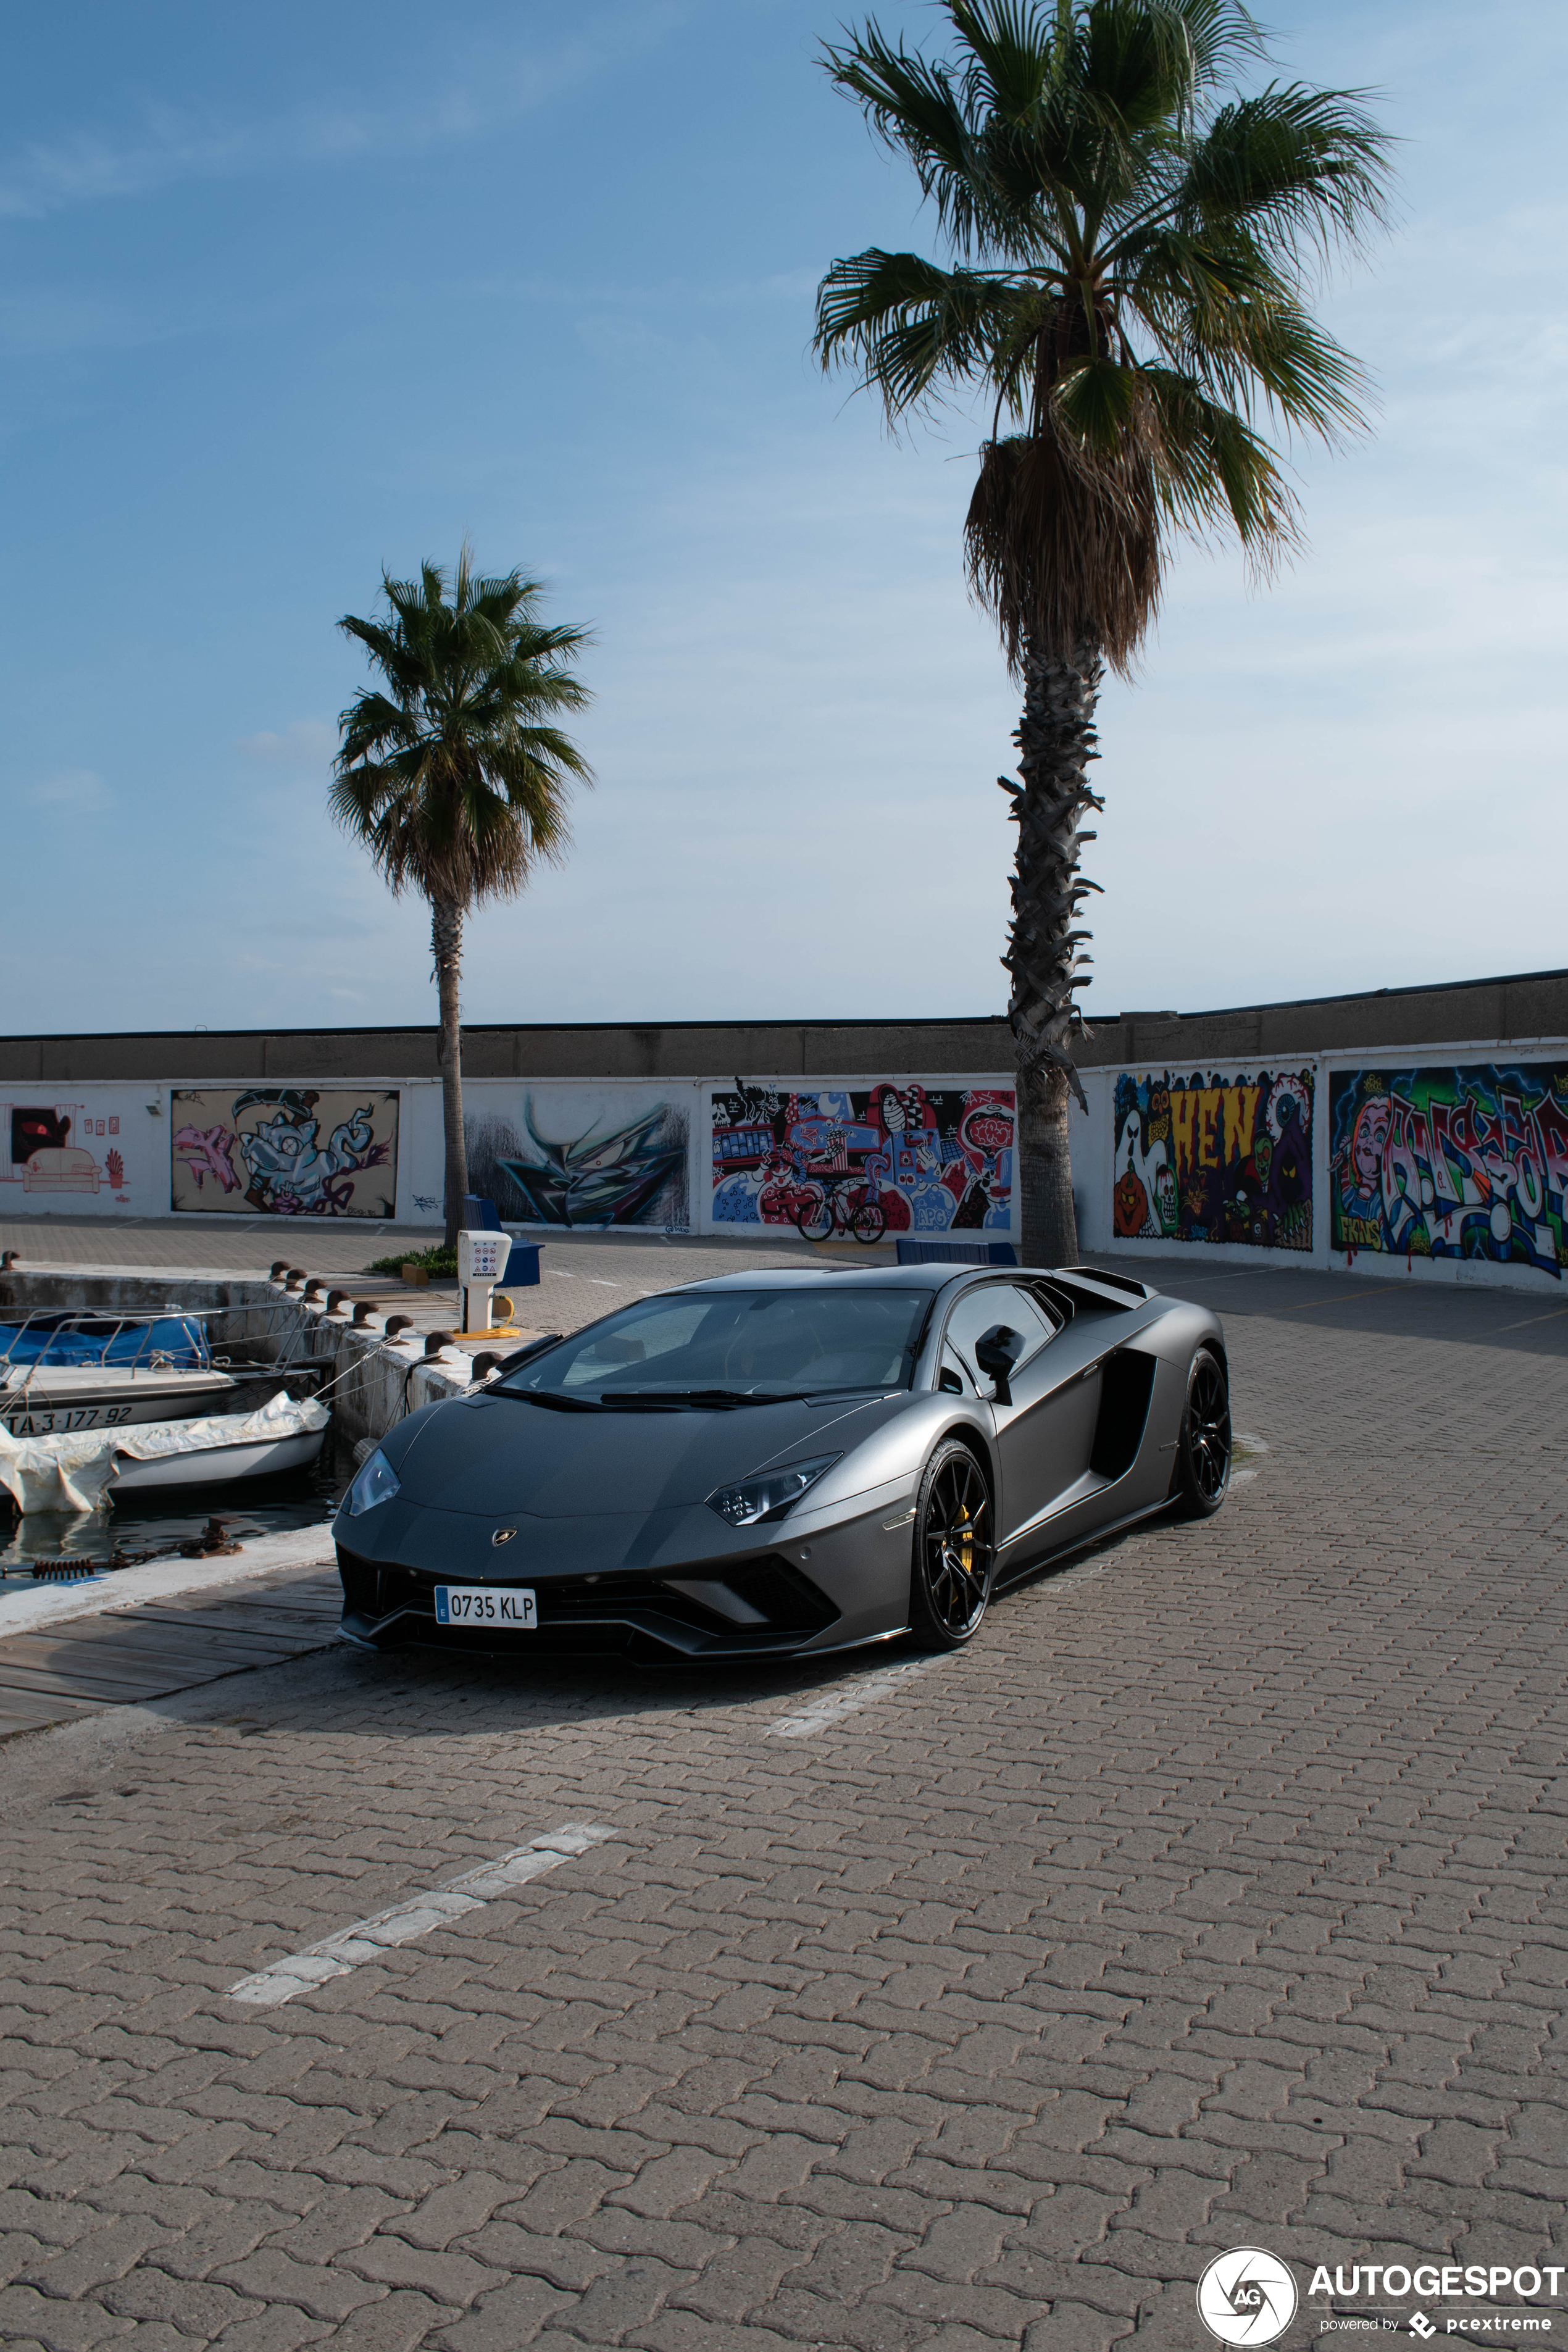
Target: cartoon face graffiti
[{"x": 1369, "y": 1135}]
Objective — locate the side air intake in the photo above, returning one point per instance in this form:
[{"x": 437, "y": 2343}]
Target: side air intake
[{"x": 1127, "y": 1383}]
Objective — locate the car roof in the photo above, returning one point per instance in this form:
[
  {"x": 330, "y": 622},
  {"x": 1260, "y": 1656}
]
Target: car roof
[
  {"x": 863, "y": 1277},
  {"x": 1112, "y": 1289}
]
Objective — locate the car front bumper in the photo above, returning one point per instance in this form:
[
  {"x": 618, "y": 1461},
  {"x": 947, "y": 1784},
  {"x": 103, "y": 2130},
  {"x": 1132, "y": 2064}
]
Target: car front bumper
[{"x": 634, "y": 1585}]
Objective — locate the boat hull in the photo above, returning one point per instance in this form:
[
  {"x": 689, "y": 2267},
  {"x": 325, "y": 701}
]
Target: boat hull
[
  {"x": 218, "y": 1466},
  {"x": 64, "y": 1403}
]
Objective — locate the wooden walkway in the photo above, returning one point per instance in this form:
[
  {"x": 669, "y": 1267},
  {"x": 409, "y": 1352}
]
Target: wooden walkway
[{"x": 125, "y": 1658}]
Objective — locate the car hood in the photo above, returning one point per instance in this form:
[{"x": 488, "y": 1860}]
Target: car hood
[{"x": 490, "y": 1455}]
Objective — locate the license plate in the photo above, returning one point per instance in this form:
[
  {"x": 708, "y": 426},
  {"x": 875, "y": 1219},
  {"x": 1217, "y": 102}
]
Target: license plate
[{"x": 485, "y": 1604}]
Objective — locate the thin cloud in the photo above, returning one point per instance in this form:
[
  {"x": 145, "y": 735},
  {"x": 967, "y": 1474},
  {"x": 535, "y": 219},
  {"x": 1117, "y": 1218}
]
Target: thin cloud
[
  {"x": 172, "y": 143},
  {"x": 80, "y": 788},
  {"x": 304, "y": 743}
]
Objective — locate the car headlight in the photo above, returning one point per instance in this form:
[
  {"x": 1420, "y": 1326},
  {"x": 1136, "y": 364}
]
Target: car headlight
[
  {"x": 770, "y": 1496},
  {"x": 375, "y": 1483}
]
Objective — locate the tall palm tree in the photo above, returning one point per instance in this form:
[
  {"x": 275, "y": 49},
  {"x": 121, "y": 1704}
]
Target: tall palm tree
[
  {"x": 452, "y": 771},
  {"x": 1131, "y": 250}
]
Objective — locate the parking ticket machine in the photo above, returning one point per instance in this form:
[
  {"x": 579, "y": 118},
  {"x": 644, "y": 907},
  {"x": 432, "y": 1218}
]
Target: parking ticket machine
[{"x": 479, "y": 1259}]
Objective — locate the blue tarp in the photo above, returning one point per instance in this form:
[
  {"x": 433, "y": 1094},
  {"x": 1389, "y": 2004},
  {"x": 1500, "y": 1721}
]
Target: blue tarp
[{"x": 105, "y": 1340}]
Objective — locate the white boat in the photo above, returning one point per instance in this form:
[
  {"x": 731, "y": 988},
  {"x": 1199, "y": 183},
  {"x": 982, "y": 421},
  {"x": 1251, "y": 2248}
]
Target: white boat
[
  {"x": 218, "y": 1465},
  {"x": 63, "y": 1371},
  {"x": 87, "y": 1470},
  {"x": 58, "y": 1400}
]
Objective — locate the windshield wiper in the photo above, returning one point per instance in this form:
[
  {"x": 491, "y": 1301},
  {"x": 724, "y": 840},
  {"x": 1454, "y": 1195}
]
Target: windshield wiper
[
  {"x": 552, "y": 1397},
  {"x": 720, "y": 1400}
]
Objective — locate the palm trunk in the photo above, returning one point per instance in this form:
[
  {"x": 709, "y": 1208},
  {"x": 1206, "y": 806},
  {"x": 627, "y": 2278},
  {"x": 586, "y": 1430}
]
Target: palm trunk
[
  {"x": 447, "y": 946},
  {"x": 1056, "y": 740}
]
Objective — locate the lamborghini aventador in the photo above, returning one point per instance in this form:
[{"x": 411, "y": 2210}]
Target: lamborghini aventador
[{"x": 787, "y": 1462}]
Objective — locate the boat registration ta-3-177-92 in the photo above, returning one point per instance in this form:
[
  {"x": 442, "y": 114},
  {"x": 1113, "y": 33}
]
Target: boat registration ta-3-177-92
[{"x": 787, "y": 1462}]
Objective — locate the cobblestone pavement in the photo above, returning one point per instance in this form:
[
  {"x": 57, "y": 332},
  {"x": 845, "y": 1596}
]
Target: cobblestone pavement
[{"x": 1213, "y": 1899}]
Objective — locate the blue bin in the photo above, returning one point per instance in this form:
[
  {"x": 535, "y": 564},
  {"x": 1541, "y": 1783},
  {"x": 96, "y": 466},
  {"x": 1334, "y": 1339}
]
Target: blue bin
[
  {"x": 523, "y": 1265},
  {"x": 914, "y": 1253}
]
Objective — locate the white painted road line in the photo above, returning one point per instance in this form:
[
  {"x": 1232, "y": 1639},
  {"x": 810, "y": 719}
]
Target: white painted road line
[
  {"x": 832, "y": 1705},
  {"x": 368, "y": 1938}
]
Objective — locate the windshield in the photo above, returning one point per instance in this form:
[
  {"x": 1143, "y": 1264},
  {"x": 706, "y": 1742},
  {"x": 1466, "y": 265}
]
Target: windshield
[{"x": 721, "y": 1348}]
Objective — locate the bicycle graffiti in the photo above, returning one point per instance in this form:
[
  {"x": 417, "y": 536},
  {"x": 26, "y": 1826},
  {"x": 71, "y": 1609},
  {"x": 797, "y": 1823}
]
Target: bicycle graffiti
[
  {"x": 1214, "y": 1159},
  {"x": 891, "y": 1158},
  {"x": 1469, "y": 1163}
]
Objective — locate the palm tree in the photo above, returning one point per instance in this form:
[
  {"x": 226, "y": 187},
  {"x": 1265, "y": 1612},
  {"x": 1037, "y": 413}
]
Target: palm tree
[
  {"x": 452, "y": 773},
  {"x": 1132, "y": 255}
]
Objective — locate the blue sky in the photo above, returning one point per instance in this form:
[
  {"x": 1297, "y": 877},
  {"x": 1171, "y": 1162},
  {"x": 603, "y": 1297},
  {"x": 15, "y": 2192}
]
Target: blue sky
[{"x": 289, "y": 296}]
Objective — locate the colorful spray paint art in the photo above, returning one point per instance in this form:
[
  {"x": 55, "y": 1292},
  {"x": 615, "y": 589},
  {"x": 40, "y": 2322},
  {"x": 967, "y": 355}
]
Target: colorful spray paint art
[
  {"x": 607, "y": 1156},
  {"x": 1202, "y": 1157},
  {"x": 936, "y": 1159},
  {"x": 1466, "y": 1162},
  {"x": 285, "y": 1151}
]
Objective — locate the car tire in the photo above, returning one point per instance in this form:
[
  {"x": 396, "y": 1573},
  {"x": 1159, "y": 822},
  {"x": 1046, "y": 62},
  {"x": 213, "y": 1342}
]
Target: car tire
[
  {"x": 1201, "y": 1479},
  {"x": 955, "y": 1563}
]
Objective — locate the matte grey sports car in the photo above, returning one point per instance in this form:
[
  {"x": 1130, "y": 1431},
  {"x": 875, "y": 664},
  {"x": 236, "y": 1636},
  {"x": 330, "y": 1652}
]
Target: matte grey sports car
[{"x": 787, "y": 1462}]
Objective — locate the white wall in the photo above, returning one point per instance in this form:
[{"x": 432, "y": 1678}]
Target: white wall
[{"x": 135, "y": 1123}]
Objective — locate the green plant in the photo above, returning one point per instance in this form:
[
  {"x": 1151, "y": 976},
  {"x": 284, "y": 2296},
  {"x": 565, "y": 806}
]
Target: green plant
[
  {"x": 453, "y": 773},
  {"x": 436, "y": 1259},
  {"x": 1133, "y": 251}
]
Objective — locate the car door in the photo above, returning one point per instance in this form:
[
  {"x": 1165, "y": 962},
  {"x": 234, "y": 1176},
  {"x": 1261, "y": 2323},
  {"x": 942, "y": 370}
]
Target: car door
[{"x": 1045, "y": 1431}]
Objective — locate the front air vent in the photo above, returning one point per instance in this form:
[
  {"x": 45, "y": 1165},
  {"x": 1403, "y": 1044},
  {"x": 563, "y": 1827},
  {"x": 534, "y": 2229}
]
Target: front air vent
[{"x": 775, "y": 1588}]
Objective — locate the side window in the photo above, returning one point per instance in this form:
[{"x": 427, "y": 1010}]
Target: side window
[
  {"x": 980, "y": 1310},
  {"x": 954, "y": 1378}
]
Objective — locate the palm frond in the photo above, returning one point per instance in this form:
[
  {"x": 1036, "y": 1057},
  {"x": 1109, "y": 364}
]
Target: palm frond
[
  {"x": 1307, "y": 168},
  {"x": 911, "y": 325}
]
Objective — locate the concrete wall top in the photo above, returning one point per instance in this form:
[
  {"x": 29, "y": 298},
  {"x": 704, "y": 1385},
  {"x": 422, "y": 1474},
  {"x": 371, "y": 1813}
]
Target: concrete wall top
[
  {"x": 694, "y": 1049},
  {"x": 1527, "y": 1004}
]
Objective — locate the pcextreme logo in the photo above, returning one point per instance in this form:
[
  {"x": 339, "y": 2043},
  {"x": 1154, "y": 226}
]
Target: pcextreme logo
[{"x": 1247, "y": 2296}]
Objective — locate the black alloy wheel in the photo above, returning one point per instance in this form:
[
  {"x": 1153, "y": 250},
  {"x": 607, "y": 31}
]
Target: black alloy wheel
[
  {"x": 955, "y": 1550},
  {"x": 1202, "y": 1476}
]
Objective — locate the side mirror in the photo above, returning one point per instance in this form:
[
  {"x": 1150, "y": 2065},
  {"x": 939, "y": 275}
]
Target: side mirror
[{"x": 996, "y": 1352}]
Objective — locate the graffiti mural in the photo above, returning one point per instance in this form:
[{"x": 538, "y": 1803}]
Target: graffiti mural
[
  {"x": 934, "y": 1159},
  {"x": 55, "y": 1148},
  {"x": 1202, "y": 1157},
  {"x": 285, "y": 1151},
  {"x": 598, "y": 1157},
  {"x": 1452, "y": 1162}
]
